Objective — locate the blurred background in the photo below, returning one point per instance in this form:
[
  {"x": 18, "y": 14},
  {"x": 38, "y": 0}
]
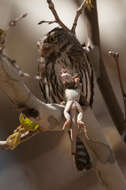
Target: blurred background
[{"x": 44, "y": 162}]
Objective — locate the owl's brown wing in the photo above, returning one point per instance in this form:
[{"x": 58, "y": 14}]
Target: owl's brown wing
[
  {"x": 89, "y": 77},
  {"x": 81, "y": 64},
  {"x": 51, "y": 89},
  {"x": 42, "y": 81},
  {"x": 75, "y": 60}
]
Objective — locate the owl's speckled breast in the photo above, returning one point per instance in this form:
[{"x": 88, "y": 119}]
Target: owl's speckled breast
[{"x": 63, "y": 62}]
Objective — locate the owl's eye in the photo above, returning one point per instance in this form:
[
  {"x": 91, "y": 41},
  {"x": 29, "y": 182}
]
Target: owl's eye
[{"x": 51, "y": 39}]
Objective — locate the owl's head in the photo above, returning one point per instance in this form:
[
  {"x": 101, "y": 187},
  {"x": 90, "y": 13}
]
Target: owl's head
[{"x": 53, "y": 41}]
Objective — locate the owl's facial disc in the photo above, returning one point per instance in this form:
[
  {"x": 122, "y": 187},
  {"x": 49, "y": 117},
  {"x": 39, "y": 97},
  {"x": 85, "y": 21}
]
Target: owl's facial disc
[{"x": 48, "y": 45}]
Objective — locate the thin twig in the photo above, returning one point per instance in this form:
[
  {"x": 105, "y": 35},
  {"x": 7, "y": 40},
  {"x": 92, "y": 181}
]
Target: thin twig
[
  {"x": 78, "y": 13},
  {"x": 54, "y": 12},
  {"x": 12, "y": 23},
  {"x": 24, "y": 137},
  {"x": 29, "y": 135},
  {"x": 14, "y": 64},
  {"x": 115, "y": 56},
  {"x": 48, "y": 22},
  {"x": 4, "y": 145}
]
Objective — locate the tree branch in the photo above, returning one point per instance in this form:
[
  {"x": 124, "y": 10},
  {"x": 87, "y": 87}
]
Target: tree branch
[
  {"x": 48, "y": 116},
  {"x": 48, "y": 22},
  {"x": 115, "y": 56},
  {"x": 78, "y": 13},
  {"x": 54, "y": 12}
]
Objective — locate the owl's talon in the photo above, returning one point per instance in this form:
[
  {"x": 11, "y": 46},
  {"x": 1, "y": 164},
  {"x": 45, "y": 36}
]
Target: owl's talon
[
  {"x": 89, "y": 46},
  {"x": 62, "y": 103}
]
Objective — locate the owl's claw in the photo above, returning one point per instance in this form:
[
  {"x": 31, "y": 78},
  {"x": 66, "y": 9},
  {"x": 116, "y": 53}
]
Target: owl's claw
[
  {"x": 88, "y": 46},
  {"x": 62, "y": 103},
  {"x": 87, "y": 49}
]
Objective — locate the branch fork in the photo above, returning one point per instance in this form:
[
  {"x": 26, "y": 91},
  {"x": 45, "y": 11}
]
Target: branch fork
[{"x": 85, "y": 3}]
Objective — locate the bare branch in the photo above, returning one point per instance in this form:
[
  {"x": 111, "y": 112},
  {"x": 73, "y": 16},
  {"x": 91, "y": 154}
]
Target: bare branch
[
  {"x": 48, "y": 22},
  {"x": 13, "y": 63},
  {"x": 54, "y": 12},
  {"x": 18, "y": 69},
  {"x": 44, "y": 114},
  {"x": 78, "y": 13},
  {"x": 16, "y": 20},
  {"x": 3, "y": 34},
  {"x": 115, "y": 56},
  {"x": 5, "y": 145}
]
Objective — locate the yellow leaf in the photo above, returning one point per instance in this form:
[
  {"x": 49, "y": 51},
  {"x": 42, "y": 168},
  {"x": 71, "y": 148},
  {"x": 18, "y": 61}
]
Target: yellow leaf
[
  {"x": 21, "y": 118},
  {"x": 89, "y": 4},
  {"x": 28, "y": 124}
]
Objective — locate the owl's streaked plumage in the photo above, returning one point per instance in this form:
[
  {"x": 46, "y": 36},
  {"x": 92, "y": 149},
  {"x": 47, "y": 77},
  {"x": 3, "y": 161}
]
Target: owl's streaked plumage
[{"x": 59, "y": 50}]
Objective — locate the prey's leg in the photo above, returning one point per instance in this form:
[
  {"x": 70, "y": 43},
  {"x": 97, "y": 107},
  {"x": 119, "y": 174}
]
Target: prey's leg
[
  {"x": 67, "y": 114},
  {"x": 80, "y": 115}
]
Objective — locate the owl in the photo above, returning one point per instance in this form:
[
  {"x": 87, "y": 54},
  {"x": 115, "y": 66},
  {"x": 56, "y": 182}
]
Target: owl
[{"x": 60, "y": 49}]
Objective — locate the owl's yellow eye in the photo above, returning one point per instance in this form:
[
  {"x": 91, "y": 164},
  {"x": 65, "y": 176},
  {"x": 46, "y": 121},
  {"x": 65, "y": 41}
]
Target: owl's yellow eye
[{"x": 51, "y": 38}]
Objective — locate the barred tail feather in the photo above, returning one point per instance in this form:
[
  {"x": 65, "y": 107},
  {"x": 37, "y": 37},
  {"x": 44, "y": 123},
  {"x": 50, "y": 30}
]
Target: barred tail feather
[{"x": 81, "y": 157}]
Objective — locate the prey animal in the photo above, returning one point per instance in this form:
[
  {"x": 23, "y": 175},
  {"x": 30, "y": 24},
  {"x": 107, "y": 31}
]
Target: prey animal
[
  {"x": 72, "y": 94},
  {"x": 60, "y": 49},
  {"x": 73, "y": 111}
]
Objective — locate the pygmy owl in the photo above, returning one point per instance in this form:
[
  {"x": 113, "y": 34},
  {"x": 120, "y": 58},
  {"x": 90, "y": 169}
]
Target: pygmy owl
[{"x": 59, "y": 50}]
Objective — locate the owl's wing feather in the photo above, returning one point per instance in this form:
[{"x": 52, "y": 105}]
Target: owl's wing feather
[
  {"x": 81, "y": 64},
  {"x": 74, "y": 58},
  {"x": 90, "y": 73}
]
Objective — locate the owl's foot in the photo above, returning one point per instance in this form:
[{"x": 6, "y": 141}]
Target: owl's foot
[
  {"x": 88, "y": 46},
  {"x": 67, "y": 124},
  {"x": 62, "y": 103}
]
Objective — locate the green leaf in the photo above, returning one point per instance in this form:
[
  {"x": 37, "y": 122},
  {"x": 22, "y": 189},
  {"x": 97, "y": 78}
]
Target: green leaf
[
  {"x": 36, "y": 127},
  {"x": 89, "y": 4},
  {"x": 21, "y": 118},
  {"x": 27, "y": 123}
]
